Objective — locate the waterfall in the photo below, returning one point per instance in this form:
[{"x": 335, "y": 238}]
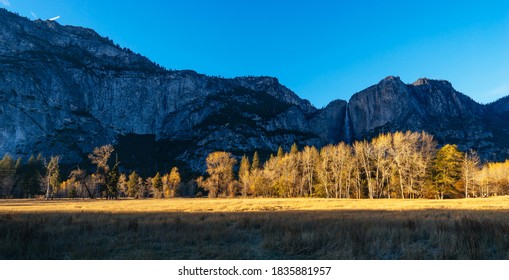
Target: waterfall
[{"x": 347, "y": 126}]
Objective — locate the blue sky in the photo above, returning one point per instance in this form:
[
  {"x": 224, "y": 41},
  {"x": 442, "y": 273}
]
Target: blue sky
[{"x": 322, "y": 50}]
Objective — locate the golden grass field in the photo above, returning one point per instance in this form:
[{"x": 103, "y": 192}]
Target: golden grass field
[
  {"x": 246, "y": 205},
  {"x": 304, "y": 228}
]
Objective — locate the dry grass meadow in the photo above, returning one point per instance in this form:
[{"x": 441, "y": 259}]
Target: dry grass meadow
[{"x": 255, "y": 229}]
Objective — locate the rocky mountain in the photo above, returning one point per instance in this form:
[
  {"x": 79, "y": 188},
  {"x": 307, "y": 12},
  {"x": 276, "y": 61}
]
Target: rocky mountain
[
  {"x": 65, "y": 90},
  {"x": 433, "y": 106}
]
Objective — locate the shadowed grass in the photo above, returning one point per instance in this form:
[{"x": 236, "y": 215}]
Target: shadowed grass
[{"x": 155, "y": 229}]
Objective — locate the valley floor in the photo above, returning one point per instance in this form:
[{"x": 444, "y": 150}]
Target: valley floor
[{"x": 255, "y": 229}]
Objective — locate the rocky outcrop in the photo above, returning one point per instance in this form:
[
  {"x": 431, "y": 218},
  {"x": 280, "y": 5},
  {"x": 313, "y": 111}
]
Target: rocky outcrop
[
  {"x": 433, "y": 106},
  {"x": 329, "y": 122},
  {"x": 385, "y": 106}
]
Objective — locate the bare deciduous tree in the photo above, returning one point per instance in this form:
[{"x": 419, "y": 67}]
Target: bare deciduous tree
[{"x": 470, "y": 169}]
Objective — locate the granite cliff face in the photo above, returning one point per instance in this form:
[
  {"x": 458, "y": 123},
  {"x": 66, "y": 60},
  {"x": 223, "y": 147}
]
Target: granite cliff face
[
  {"x": 433, "y": 106},
  {"x": 65, "y": 90}
]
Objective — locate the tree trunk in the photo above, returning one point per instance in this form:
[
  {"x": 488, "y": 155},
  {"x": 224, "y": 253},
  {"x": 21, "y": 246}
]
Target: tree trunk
[
  {"x": 401, "y": 184},
  {"x": 48, "y": 192}
]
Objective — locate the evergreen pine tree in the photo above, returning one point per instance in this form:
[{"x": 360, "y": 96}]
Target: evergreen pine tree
[
  {"x": 447, "y": 170},
  {"x": 7, "y": 176},
  {"x": 112, "y": 180}
]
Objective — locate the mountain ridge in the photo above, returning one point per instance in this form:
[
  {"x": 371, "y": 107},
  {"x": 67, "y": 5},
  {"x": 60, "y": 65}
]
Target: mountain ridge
[{"x": 66, "y": 90}]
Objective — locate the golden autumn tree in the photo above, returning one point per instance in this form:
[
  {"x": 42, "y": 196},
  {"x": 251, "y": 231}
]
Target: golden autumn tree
[
  {"x": 157, "y": 186},
  {"x": 469, "y": 171},
  {"x": 99, "y": 157},
  {"x": 171, "y": 182},
  {"x": 325, "y": 170},
  {"x": 309, "y": 160},
  {"x": 244, "y": 174},
  {"x": 220, "y": 170}
]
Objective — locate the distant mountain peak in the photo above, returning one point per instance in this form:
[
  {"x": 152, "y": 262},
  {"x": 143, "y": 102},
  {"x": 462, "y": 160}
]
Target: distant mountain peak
[
  {"x": 421, "y": 81},
  {"x": 391, "y": 79},
  {"x": 427, "y": 81}
]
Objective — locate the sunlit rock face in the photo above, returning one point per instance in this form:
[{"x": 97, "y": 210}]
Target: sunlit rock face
[
  {"x": 433, "y": 106},
  {"x": 65, "y": 90}
]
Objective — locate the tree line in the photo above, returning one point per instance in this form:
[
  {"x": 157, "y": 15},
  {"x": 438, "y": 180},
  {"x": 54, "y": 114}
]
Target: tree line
[
  {"x": 41, "y": 177},
  {"x": 392, "y": 165}
]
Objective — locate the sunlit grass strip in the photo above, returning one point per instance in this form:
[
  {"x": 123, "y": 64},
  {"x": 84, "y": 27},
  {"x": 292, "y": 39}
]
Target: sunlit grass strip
[{"x": 243, "y": 205}]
